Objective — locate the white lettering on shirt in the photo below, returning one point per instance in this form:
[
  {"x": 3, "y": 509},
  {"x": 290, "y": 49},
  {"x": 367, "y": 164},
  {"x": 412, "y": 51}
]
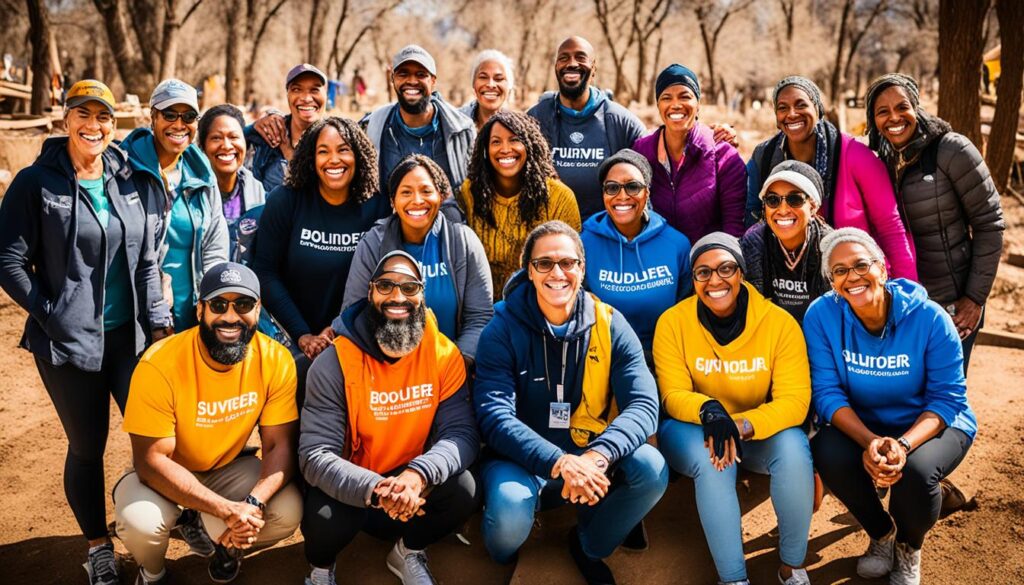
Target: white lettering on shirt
[
  {"x": 329, "y": 241},
  {"x": 708, "y": 366},
  {"x": 210, "y": 413},
  {"x": 403, "y": 401},
  {"x": 877, "y": 365}
]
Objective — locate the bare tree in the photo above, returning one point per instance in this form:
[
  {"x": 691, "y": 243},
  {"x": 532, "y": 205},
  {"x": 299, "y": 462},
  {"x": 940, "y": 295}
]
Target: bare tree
[
  {"x": 647, "y": 23},
  {"x": 960, "y": 49},
  {"x": 365, "y": 20},
  {"x": 851, "y": 32},
  {"x": 39, "y": 35},
  {"x": 643, "y": 19},
  {"x": 614, "y": 18},
  {"x": 259, "y": 13},
  {"x": 788, "y": 19},
  {"x": 135, "y": 73},
  {"x": 1002, "y": 140},
  {"x": 315, "y": 35},
  {"x": 712, "y": 15}
]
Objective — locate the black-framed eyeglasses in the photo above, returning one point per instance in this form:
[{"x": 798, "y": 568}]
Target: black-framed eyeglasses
[
  {"x": 633, "y": 188},
  {"x": 545, "y": 265},
  {"x": 172, "y": 116},
  {"x": 409, "y": 288},
  {"x": 242, "y": 305},
  {"x": 725, "y": 270},
  {"x": 793, "y": 200},
  {"x": 861, "y": 268}
]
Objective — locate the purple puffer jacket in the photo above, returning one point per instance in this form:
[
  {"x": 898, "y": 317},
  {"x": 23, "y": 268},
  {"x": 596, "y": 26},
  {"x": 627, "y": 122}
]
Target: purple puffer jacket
[{"x": 707, "y": 194}]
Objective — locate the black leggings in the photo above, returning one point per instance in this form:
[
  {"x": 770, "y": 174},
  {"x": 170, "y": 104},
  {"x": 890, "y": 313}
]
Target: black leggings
[
  {"x": 82, "y": 400},
  {"x": 328, "y": 526},
  {"x": 914, "y": 501}
]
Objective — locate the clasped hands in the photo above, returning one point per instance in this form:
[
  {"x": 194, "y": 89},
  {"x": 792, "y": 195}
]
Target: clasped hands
[
  {"x": 244, "y": 522},
  {"x": 311, "y": 345},
  {"x": 401, "y": 496},
  {"x": 584, "y": 477},
  {"x": 884, "y": 459}
]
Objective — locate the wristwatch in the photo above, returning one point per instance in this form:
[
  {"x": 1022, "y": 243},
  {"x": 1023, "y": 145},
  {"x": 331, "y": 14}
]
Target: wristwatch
[
  {"x": 905, "y": 443},
  {"x": 254, "y": 501}
]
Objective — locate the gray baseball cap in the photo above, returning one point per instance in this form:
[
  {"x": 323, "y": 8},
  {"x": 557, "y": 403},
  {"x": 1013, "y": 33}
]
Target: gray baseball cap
[
  {"x": 229, "y": 277},
  {"x": 416, "y": 54},
  {"x": 171, "y": 92}
]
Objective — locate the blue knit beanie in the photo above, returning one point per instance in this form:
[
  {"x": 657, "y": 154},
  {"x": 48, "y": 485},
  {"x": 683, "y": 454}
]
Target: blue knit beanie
[{"x": 676, "y": 74}]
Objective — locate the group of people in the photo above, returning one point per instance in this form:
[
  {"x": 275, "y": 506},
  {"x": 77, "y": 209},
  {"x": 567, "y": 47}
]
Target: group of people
[{"x": 439, "y": 309}]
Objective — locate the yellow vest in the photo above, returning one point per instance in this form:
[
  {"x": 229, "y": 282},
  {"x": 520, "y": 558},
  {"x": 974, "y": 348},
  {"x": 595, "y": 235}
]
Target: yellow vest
[{"x": 597, "y": 406}]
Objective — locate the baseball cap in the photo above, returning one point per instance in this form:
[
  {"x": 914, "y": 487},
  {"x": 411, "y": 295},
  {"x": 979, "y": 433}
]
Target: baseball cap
[
  {"x": 412, "y": 268},
  {"x": 229, "y": 277},
  {"x": 89, "y": 90},
  {"x": 171, "y": 92},
  {"x": 416, "y": 54},
  {"x": 302, "y": 69}
]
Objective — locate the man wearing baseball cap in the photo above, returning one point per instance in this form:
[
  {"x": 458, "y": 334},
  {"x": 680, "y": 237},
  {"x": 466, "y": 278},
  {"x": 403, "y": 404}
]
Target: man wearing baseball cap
[{"x": 195, "y": 398}]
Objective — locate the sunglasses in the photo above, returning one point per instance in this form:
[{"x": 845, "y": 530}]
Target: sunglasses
[
  {"x": 633, "y": 188},
  {"x": 409, "y": 288},
  {"x": 545, "y": 265},
  {"x": 171, "y": 116},
  {"x": 242, "y": 305},
  {"x": 861, "y": 268},
  {"x": 793, "y": 200},
  {"x": 724, "y": 270}
]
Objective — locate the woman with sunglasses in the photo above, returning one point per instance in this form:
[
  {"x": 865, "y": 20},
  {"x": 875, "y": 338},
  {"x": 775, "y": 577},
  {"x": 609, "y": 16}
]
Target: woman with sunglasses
[
  {"x": 456, "y": 275},
  {"x": 553, "y": 361},
  {"x": 638, "y": 263},
  {"x": 698, "y": 185},
  {"x": 783, "y": 253},
  {"x": 735, "y": 386},
  {"x": 512, "y": 188},
  {"x": 175, "y": 177},
  {"x": 887, "y": 370},
  {"x": 76, "y": 252}
]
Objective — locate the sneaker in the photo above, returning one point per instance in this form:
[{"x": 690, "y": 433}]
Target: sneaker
[
  {"x": 743, "y": 582},
  {"x": 952, "y": 498},
  {"x": 799, "y": 577},
  {"x": 877, "y": 561},
  {"x": 225, "y": 564},
  {"x": 636, "y": 540},
  {"x": 190, "y": 525},
  {"x": 102, "y": 566},
  {"x": 142, "y": 580},
  {"x": 410, "y": 566},
  {"x": 318, "y": 576},
  {"x": 594, "y": 571},
  {"x": 906, "y": 570}
]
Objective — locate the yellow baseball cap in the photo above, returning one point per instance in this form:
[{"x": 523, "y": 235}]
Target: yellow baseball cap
[{"x": 90, "y": 90}]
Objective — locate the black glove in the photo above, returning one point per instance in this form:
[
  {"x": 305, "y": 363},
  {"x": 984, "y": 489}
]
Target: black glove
[{"x": 719, "y": 426}]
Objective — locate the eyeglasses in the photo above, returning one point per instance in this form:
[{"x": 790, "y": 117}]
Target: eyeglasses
[
  {"x": 633, "y": 188},
  {"x": 242, "y": 305},
  {"x": 724, "y": 270},
  {"x": 172, "y": 116},
  {"x": 793, "y": 200},
  {"x": 545, "y": 265},
  {"x": 409, "y": 288},
  {"x": 861, "y": 268}
]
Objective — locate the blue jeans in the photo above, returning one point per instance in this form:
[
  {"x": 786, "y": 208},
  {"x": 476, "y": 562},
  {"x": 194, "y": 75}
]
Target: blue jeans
[
  {"x": 512, "y": 495},
  {"x": 785, "y": 456}
]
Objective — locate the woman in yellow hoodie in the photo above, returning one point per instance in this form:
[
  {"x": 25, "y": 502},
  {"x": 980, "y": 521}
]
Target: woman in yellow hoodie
[{"x": 734, "y": 381}]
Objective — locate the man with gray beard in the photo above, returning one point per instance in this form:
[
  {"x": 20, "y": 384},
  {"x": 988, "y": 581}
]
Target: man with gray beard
[{"x": 387, "y": 431}]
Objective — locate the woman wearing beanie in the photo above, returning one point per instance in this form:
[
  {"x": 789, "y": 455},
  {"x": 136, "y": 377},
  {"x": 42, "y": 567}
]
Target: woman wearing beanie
[
  {"x": 946, "y": 197},
  {"x": 698, "y": 185},
  {"x": 856, "y": 189},
  {"x": 783, "y": 252},
  {"x": 888, "y": 379},
  {"x": 719, "y": 355}
]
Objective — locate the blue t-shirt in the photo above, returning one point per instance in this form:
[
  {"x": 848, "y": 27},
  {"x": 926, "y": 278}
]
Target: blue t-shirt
[
  {"x": 178, "y": 260},
  {"x": 117, "y": 300},
  {"x": 439, "y": 288}
]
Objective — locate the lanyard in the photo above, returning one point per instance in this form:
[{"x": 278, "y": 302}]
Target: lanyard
[{"x": 559, "y": 388}]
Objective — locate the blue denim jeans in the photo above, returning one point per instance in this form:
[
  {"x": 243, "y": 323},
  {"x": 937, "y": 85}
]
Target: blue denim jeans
[
  {"x": 512, "y": 495},
  {"x": 785, "y": 456}
]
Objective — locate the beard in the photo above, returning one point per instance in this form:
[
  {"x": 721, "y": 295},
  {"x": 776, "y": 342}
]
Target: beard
[
  {"x": 228, "y": 354},
  {"x": 414, "y": 108},
  {"x": 398, "y": 337},
  {"x": 573, "y": 92}
]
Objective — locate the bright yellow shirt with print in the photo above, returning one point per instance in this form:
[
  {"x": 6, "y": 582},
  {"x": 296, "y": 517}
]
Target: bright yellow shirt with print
[
  {"x": 210, "y": 414},
  {"x": 762, "y": 375}
]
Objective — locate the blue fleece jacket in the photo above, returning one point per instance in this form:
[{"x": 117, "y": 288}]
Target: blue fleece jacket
[
  {"x": 512, "y": 392},
  {"x": 915, "y": 365},
  {"x": 643, "y": 277}
]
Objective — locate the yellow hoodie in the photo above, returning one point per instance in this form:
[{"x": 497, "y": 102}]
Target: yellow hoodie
[{"x": 762, "y": 376}]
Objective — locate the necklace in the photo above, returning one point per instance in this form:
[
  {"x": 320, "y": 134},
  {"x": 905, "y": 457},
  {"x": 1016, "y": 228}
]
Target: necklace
[{"x": 792, "y": 259}]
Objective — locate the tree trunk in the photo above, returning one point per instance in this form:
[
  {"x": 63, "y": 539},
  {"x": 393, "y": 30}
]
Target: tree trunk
[
  {"x": 148, "y": 23},
  {"x": 169, "y": 46},
  {"x": 130, "y": 66},
  {"x": 1002, "y": 140},
  {"x": 39, "y": 34},
  {"x": 960, "y": 49},
  {"x": 234, "y": 93},
  {"x": 314, "y": 42},
  {"x": 709, "y": 57},
  {"x": 836, "y": 82}
]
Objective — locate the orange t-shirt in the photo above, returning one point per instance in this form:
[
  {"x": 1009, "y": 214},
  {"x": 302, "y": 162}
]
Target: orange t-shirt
[{"x": 391, "y": 407}]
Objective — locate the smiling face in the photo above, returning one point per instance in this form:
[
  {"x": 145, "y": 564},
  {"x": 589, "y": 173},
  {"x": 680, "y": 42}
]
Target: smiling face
[
  {"x": 414, "y": 84},
  {"x": 574, "y": 65},
  {"x": 626, "y": 211},
  {"x": 335, "y": 160},
  {"x": 172, "y": 138},
  {"x": 789, "y": 224},
  {"x": 306, "y": 98},
  {"x": 90, "y": 129},
  {"x": 895, "y": 116},
  {"x": 557, "y": 289},
  {"x": 491, "y": 85},
  {"x": 506, "y": 151},
  {"x": 227, "y": 335},
  {"x": 397, "y": 319},
  {"x": 861, "y": 291},
  {"x": 795, "y": 114},
  {"x": 417, "y": 201},
  {"x": 225, "y": 146},
  {"x": 719, "y": 294},
  {"x": 678, "y": 107}
]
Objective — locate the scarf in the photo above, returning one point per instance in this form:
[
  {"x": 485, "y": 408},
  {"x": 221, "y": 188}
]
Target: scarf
[{"x": 725, "y": 330}]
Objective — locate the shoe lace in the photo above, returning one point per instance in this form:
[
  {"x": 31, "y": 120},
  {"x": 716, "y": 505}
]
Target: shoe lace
[
  {"x": 905, "y": 560},
  {"x": 194, "y": 534},
  {"x": 104, "y": 566},
  {"x": 322, "y": 576},
  {"x": 879, "y": 547},
  {"x": 416, "y": 562}
]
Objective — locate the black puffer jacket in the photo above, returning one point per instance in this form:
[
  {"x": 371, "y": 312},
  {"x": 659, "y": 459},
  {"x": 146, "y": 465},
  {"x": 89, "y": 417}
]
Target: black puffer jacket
[{"x": 953, "y": 214}]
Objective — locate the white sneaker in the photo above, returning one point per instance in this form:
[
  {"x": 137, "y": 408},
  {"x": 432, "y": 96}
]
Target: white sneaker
[
  {"x": 410, "y": 566},
  {"x": 799, "y": 577},
  {"x": 906, "y": 569},
  {"x": 877, "y": 561},
  {"x": 319, "y": 576}
]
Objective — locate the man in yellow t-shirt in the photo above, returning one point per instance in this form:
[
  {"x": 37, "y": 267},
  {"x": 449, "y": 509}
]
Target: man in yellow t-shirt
[{"x": 194, "y": 400}]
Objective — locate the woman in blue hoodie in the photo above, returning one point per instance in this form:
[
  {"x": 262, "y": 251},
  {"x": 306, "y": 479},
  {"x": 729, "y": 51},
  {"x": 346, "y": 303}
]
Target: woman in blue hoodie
[
  {"x": 888, "y": 381},
  {"x": 550, "y": 366},
  {"x": 638, "y": 263}
]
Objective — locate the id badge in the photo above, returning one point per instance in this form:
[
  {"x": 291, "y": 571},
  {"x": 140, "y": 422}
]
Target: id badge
[{"x": 558, "y": 415}]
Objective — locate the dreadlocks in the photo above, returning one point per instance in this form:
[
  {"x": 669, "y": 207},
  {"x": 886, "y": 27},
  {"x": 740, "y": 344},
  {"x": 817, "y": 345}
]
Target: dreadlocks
[{"x": 302, "y": 168}]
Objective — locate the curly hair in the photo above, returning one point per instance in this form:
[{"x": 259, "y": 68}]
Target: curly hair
[
  {"x": 409, "y": 163},
  {"x": 538, "y": 168},
  {"x": 206, "y": 120},
  {"x": 302, "y": 168}
]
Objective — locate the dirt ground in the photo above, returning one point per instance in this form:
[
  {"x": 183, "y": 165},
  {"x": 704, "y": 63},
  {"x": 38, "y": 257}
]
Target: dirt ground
[{"x": 40, "y": 543}]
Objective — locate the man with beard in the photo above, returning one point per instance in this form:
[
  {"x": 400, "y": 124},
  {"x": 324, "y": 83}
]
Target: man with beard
[
  {"x": 387, "y": 431},
  {"x": 194, "y": 400},
  {"x": 420, "y": 122}
]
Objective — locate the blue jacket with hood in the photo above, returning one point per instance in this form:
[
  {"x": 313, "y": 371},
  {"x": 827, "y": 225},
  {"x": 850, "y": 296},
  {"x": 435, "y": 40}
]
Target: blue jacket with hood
[
  {"x": 266, "y": 163},
  {"x": 641, "y": 277},
  {"x": 915, "y": 365},
  {"x": 512, "y": 392}
]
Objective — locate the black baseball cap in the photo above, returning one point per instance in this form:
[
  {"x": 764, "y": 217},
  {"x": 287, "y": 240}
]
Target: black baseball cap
[
  {"x": 229, "y": 277},
  {"x": 412, "y": 269},
  {"x": 303, "y": 69}
]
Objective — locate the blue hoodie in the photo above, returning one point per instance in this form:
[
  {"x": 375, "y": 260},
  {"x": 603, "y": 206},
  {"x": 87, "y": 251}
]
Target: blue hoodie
[
  {"x": 643, "y": 277},
  {"x": 512, "y": 393},
  {"x": 916, "y": 364}
]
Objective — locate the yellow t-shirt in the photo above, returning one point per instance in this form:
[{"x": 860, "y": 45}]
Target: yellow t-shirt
[
  {"x": 210, "y": 414},
  {"x": 504, "y": 243}
]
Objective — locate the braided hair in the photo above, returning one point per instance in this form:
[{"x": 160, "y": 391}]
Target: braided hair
[
  {"x": 533, "y": 197},
  {"x": 302, "y": 168}
]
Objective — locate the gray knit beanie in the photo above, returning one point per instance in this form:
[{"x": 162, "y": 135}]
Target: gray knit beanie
[
  {"x": 807, "y": 86},
  {"x": 628, "y": 156},
  {"x": 799, "y": 174},
  {"x": 844, "y": 235},
  {"x": 719, "y": 241}
]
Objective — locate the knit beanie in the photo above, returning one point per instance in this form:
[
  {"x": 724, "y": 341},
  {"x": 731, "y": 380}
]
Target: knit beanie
[
  {"x": 927, "y": 123},
  {"x": 807, "y": 86},
  {"x": 719, "y": 241},
  {"x": 628, "y": 156},
  {"x": 847, "y": 235},
  {"x": 799, "y": 174},
  {"x": 677, "y": 74}
]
